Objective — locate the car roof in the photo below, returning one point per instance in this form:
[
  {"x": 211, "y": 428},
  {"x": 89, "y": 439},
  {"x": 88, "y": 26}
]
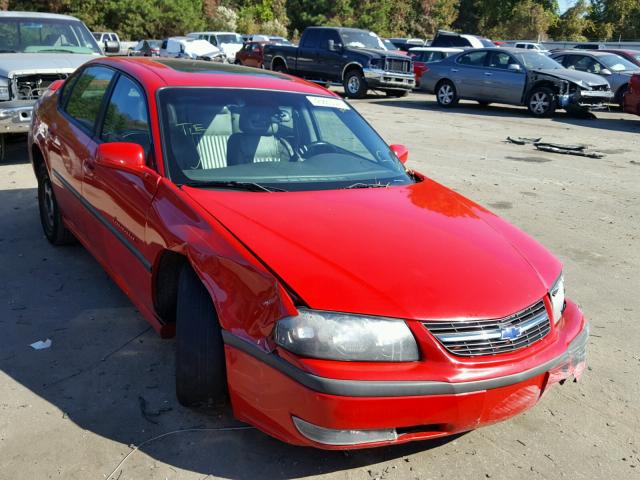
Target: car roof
[
  {"x": 40, "y": 15},
  {"x": 595, "y": 53},
  {"x": 156, "y": 73}
]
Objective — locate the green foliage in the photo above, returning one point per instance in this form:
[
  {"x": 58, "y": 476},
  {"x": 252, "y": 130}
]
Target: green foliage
[{"x": 497, "y": 19}]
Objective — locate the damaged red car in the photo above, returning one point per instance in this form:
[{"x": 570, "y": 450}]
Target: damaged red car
[{"x": 338, "y": 298}]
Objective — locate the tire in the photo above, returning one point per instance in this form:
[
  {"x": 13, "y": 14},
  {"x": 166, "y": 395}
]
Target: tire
[
  {"x": 3, "y": 147},
  {"x": 354, "y": 84},
  {"x": 280, "y": 67},
  {"x": 542, "y": 102},
  {"x": 397, "y": 93},
  {"x": 200, "y": 363},
  {"x": 50, "y": 216},
  {"x": 446, "y": 94},
  {"x": 620, "y": 96}
]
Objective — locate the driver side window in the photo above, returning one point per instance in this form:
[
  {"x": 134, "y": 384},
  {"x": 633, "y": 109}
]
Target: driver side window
[{"x": 126, "y": 118}]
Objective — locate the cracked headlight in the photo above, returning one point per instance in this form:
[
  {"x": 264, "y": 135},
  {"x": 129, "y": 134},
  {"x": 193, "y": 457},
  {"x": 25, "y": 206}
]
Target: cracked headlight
[
  {"x": 4, "y": 89},
  {"x": 346, "y": 337},
  {"x": 556, "y": 294}
]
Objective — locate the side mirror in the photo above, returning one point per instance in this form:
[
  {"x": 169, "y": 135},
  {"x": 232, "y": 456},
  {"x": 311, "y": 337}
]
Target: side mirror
[
  {"x": 606, "y": 71},
  {"x": 401, "y": 152},
  {"x": 334, "y": 47},
  {"x": 111, "y": 47},
  {"x": 121, "y": 156},
  {"x": 514, "y": 67}
]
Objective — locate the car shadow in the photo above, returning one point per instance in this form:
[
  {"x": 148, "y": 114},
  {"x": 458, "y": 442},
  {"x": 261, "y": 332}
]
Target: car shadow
[
  {"x": 109, "y": 373},
  {"x": 625, "y": 123},
  {"x": 16, "y": 149}
]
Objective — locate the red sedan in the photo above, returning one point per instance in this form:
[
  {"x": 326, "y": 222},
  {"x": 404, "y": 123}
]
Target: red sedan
[
  {"x": 252, "y": 54},
  {"x": 632, "y": 96},
  {"x": 339, "y": 299}
]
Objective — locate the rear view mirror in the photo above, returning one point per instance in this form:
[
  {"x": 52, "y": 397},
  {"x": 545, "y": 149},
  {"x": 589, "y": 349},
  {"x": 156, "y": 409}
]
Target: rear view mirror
[
  {"x": 121, "y": 156},
  {"x": 515, "y": 67},
  {"x": 401, "y": 152},
  {"x": 333, "y": 46}
]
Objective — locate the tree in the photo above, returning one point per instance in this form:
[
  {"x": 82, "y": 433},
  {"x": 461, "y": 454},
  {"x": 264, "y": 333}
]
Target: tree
[{"x": 573, "y": 23}]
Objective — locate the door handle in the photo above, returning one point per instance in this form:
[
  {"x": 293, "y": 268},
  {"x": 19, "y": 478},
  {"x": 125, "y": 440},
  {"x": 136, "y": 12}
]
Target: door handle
[
  {"x": 454, "y": 69},
  {"x": 487, "y": 74}
]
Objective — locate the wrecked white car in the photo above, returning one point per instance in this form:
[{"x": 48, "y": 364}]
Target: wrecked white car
[
  {"x": 36, "y": 49},
  {"x": 516, "y": 77}
]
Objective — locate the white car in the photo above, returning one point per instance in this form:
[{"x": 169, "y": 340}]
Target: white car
[
  {"x": 193, "y": 48},
  {"x": 109, "y": 41},
  {"x": 229, "y": 42},
  {"x": 531, "y": 46}
]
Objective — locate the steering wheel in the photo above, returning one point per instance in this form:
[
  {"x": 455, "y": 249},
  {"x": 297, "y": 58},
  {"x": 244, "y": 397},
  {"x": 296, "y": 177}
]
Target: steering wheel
[{"x": 316, "y": 148}]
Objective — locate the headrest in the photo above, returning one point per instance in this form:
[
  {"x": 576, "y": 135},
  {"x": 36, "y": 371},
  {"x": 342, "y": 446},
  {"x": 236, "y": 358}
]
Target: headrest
[
  {"x": 222, "y": 124},
  {"x": 261, "y": 121}
]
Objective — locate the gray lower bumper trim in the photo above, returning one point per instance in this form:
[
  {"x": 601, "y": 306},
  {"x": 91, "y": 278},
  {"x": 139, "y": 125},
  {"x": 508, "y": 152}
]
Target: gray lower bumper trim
[{"x": 368, "y": 388}]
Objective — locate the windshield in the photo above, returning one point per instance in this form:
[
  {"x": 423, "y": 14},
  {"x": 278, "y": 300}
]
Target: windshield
[
  {"x": 537, "y": 61},
  {"x": 361, "y": 39},
  {"x": 229, "y": 38},
  {"x": 25, "y": 35},
  {"x": 616, "y": 63},
  {"x": 277, "y": 140},
  {"x": 389, "y": 45}
]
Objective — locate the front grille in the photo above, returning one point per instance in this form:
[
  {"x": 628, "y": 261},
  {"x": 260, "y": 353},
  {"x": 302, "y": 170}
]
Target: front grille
[
  {"x": 32, "y": 87},
  {"x": 600, "y": 88},
  {"x": 397, "y": 65},
  {"x": 470, "y": 338}
]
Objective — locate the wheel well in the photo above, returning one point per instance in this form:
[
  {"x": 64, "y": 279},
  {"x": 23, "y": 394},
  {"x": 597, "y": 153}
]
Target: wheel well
[
  {"x": 351, "y": 68},
  {"x": 37, "y": 158},
  {"x": 545, "y": 83},
  {"x": 165, "y": 283},
  {"x": 621, "y": 91},
  {"x": 440, "y": 82}
]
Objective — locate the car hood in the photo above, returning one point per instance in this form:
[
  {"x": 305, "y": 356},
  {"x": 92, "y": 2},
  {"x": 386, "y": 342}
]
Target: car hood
[
  {"x": 575, "y": 76},
  {"x": 377, "y": 53},
  {"x": 419, "y": 251},
  {"x": 28, "y": 63}
]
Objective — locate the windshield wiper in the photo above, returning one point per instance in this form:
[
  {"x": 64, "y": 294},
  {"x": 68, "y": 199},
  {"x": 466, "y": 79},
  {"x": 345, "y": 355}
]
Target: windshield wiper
[
  {"x": 61, "y": 50},
  {"x": 232, "y": 184},
  {"x": 367, "y": 185}
]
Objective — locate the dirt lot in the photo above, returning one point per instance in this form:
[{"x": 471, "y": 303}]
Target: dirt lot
[{"x": 72, "y": 411}]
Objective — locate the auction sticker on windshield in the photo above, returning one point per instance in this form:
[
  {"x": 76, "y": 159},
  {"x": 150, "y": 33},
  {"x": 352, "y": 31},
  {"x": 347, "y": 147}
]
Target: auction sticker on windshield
[{"x": 328, "y": 102}]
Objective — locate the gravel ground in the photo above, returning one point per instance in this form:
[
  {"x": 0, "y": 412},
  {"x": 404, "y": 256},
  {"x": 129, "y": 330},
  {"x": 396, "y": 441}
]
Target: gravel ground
[{"x": 72, "y": 411}]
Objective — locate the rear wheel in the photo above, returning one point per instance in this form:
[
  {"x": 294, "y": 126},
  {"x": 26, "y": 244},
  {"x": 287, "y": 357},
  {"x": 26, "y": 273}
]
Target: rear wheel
[
  {"x": 50, "y": 216},
  {"x": 542, "y": 102},
  {"x": 200, "y": 363},
  {"x": 279, "y": 67},
  {"x": 446, "y": 94},
  {"x": 354, "y": 84}
]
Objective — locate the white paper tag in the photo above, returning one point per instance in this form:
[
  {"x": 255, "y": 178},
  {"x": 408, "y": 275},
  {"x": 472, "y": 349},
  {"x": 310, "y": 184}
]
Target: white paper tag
[{"x": 328, "y": 102}]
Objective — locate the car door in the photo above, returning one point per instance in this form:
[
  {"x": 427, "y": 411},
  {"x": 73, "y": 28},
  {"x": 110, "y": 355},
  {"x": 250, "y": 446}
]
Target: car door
[
  {"x": 70, "y": 141},
  {"x": 505, "y": 78},
  {"x": 307, "y": 53},
  {"x": 468, "y": 72},
  {"x": 329, "y": 62},
  {"x": 121, "y": 198}
]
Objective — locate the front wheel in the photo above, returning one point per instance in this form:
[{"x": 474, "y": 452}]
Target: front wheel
[
  {"x": 354, "y": 84},
  {"x": 200, "y": 363},
  {"x": 620, "y": 96},
  {"x": 446, "y": 94},
  {"x": 542, "y": 102}
]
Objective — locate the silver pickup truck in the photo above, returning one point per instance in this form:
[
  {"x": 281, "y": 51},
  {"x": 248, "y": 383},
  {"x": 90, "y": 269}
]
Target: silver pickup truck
[{"x": 36, "y": 49}]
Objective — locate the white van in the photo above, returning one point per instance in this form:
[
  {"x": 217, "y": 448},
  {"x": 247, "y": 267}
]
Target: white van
[
  {"x": 193, "y": 48},
  {"x": 229, "y": 42}
]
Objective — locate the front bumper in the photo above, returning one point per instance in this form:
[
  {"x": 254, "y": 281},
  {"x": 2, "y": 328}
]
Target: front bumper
[
  {"x": 587, "y": 99},
  {"x": 15, "y": 116},
  {"x": 389, "y": 80},
  {"x": 274, "y": 395}
]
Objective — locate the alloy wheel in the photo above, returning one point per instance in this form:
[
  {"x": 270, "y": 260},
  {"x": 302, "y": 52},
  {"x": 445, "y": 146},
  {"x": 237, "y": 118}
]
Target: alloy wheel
[
  {"x": 445, "y": 94},
  {"x": 353, "y": 84},
  {"x": 539, "y": 103}
]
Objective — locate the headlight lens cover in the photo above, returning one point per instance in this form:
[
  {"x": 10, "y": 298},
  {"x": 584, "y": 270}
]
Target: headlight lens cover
[
  {"x": 346, "y": 337},
  {"x": 556, "y": 293}
]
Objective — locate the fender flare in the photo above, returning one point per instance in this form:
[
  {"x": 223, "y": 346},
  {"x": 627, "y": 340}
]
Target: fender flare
[{"x": 350, "y": 64}]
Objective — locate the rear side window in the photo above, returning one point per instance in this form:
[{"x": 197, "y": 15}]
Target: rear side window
[
  {"x": 475, "y": 59},
  {"x": 86, "y": 95},
  {"x": 126, "y": 119},
  {"x": 311, "y": 39}
]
